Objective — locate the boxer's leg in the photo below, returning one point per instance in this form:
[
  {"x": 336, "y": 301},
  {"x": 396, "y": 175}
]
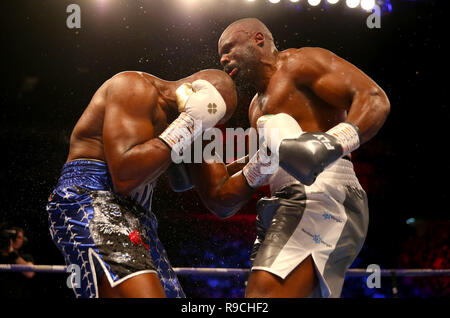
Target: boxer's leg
[
  {"x": 299, "y": 283},
  {"x": 313, "y": 238},
  {"x": 141, "y": 286}
]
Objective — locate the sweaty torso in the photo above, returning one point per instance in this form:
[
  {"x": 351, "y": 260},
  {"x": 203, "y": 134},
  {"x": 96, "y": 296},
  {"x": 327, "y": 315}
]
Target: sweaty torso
[
  {"x": 283, "y": 95},
  {"x": 86, "y": 141}
]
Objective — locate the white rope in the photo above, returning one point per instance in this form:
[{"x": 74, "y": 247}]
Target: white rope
[{"x": 204, "y": 271}]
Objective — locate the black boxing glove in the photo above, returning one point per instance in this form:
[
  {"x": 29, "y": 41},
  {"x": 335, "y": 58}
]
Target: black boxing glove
[{"x": 306, "y": 156}]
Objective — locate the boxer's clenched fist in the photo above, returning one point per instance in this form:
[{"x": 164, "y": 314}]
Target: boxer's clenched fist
[
  {"x": 202, "y": 101},
  {"x": 306, "y": 154},
  {"x": 201, "y": 107},
  {"x": 275, "y": 128}
]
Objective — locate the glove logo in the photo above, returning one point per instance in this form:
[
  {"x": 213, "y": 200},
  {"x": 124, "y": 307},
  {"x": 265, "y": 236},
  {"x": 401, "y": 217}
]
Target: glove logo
[
  {"x": 325, "y": 141},
  {"x": 212, "y": 108}
]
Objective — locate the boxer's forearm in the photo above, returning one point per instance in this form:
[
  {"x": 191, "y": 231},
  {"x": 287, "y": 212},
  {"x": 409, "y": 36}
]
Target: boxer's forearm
[
  {"x": 237, "y": 165},
  {"x": 221, "y": 193},
  {"x": 139, "y": 164},
  {"x": 231, "y": 196}
]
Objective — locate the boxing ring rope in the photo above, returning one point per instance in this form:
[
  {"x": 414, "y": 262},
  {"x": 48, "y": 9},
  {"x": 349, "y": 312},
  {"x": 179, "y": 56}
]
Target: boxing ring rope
[{"x": 205, "y": 271}]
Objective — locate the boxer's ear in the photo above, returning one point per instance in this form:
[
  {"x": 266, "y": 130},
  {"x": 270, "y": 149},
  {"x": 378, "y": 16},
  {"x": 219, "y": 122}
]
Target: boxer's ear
[{"x": 259, "y": 39}]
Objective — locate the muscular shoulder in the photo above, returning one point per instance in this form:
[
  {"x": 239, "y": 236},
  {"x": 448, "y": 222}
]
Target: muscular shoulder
[
  {"x": 131, "y": 89},
  {"x": 306, "y": 62}
]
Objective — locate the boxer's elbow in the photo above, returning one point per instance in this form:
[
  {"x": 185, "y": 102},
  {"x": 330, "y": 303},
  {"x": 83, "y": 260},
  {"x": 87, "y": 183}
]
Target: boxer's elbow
[
  {"x": 383, "y": 103},
  {"x": 125, "y": 180},
  {"x": 216, "y": 205},
  {"x": 382, "y": 109},
  {"x": 221, "y": 207},
  {"x": 371, "y": 116},
  {"x": 123, "y": 187},
  {"x": 380, "y": 102},
  {"x": 223, "y": 212},
  {"x": 386, "y": 108}
]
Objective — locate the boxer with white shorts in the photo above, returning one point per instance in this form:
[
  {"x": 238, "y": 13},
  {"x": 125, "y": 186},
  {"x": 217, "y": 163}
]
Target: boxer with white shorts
[
  {"x": 312, "y": 109},
  {"x": 327, "y": 220}
]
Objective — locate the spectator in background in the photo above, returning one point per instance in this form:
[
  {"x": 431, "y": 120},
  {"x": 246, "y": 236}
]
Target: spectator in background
[
  {"x": 427, "y": 247},
  {"x": 18, "y": 240},
  {"x": 12, "y": 284}
]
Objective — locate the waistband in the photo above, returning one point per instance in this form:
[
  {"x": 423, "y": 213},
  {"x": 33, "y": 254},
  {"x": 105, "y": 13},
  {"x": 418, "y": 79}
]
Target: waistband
[
  {"x": 340, "y": 171},
  {"x": 86, "y": 172}
]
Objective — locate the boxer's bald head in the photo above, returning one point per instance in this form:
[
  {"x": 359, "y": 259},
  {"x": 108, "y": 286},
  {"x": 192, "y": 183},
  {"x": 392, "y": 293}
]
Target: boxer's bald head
[
  {"x": 224, "y": 84},
  {"x": 244, "y": 47},
  {"x": 250, "y": 27}
]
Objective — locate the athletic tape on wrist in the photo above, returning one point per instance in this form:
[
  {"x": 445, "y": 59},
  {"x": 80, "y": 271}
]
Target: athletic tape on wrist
[
  {"x": 181, "y": 133},
  {"x": 255, "y": 171},
  {"x": 347, "y": 135}
]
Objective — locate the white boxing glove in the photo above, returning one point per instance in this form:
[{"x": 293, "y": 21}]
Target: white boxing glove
[
  {"x": 201, "y": 107},
  {"x": 183, "y": 93},
  {"x": 275, "y": 128},
  {"x": 205, "y": 104}
]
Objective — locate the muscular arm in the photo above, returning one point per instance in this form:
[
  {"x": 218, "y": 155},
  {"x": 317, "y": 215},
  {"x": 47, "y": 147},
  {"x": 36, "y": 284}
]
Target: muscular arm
[
  {"x": 237, "y": 165},
  {"x": 132, "y": 152},
  {"x": 222, "y": 193},
  {"x": 342, "y": 85},
  {"x": 222, "y": 188}
]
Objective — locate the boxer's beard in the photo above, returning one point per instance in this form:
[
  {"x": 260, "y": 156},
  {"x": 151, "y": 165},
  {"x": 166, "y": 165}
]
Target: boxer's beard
[{"x": 244, "y": 79}]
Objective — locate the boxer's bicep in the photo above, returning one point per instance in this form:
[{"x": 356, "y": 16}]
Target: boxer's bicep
[
  {"x": 322, "y": 72},
  {"x": 128, "y": 134},
  {"x": 369, "y": 105},
  {"x": 344, "y": 86},
  {"x": 342, "y": 83},
  {"x": 349, "y": 88},
  {"x": 121, "y": 133},
  {"x": 127, "y": 123}
]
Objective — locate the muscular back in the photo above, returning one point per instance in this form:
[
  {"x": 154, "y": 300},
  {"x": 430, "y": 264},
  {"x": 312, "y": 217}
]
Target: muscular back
[
  {"x": 119, "y": 127},
  {"x": 86, "y": 140}
]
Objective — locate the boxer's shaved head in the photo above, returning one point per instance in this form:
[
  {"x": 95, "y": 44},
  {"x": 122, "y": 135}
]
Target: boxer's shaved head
[
  {"x": 244, "y": 47},
  {"x": 250, "y": 26}
]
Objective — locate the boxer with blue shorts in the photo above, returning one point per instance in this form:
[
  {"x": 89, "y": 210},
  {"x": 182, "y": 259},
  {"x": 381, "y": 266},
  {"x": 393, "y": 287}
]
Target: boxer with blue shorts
[
  {"x": 108, "y": 234},
  {"x": 100, "y": 215}
]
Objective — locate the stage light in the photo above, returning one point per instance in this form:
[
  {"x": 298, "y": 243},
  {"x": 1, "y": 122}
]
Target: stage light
[
  {"x": 367, "y": 4},
  {"x": 332, "y": 1},
  {"x": 313, "y": 2},
  {"x": 294, "y": 0},
  {"x": 274, "y": 1},
  {"x": 352, "y": 3}
]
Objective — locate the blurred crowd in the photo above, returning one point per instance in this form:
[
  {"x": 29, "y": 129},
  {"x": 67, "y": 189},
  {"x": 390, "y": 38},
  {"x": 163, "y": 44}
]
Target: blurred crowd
[
  {"x": 428, "y": 247},
  {"x": 14, "y": 284},
  {"x": 425, "y": 247},
  {"x": 212, "y": 242}
]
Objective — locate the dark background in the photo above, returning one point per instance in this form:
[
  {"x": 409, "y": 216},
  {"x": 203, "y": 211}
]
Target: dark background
[{"x": 50, "y": 72}]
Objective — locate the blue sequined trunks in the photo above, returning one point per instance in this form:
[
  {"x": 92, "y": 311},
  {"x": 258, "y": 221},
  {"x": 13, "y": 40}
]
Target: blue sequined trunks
[{"x": 102, "y": 232}]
